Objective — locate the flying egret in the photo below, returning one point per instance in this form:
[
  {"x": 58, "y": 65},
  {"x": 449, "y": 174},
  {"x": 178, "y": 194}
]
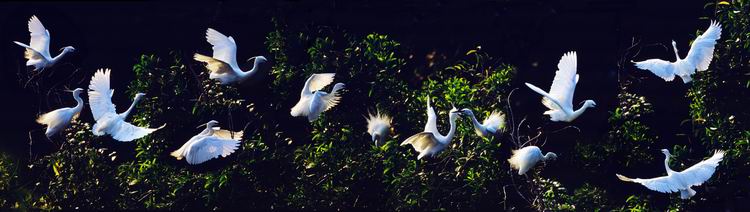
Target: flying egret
[
  {"x": 37, "y": 52},
  {"x": 525, "y": 158},
  {"x": 223, "y": 65},
  {"x": 492, "y": 125},
  {"x": 313, "y": 101},
  {"x": 430, "y": 141},
  {"x": 559, "y": 100},
  {"x": 210, "y": 143},
  {"x": 680, "y": 181},
  {"x": 107, "y": 119},
  {"x": 699, "y": 57},
  {"x": 59, "y": 119},
  {"x": 378, "y": 126}
]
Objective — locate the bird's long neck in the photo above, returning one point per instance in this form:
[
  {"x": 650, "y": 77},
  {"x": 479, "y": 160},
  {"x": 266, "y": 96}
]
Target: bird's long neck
[
  {"x": 547, "y": 156},
  {"x": 135, "y": 101},
  {"x": 247, "y": 74},
  {"x": 59, "y": 56},
  {"x": 578, "y": 112},
  {"x": 451, "y": 132},
  {"x": 477, "y": 126},
  {"x": 666, "y": 165},
  {"x": 79, "y": 102},
  {"x": 676, "y": 54}
]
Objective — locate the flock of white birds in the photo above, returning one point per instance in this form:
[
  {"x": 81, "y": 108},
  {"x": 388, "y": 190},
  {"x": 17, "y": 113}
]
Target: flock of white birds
[{"x": 222, "y": 66}]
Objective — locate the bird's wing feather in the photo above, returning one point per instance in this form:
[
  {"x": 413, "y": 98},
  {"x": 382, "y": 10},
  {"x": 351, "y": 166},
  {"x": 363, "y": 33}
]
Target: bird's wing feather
[
  {"x": 39, "y": 36},
  {"x": 661, "y": 68},
  {"x": 210, "y": 147},
  {"x": 564, "y": 84},
  {"x": 421, "y": 141},
  {"x": 553, "y": 104},
  {"x": 318, "y": 81},
  {"x": 225, "y": 49},
  {"x": 124, "y": 131},
  {"x": 702, "y": 50},
  {"x": 100, "y": 94},
  {"x": 226, "y": 134},
  {"x": 702, "y": 171},
  {"x": 431, "y": 125},
  {"x": 214, "y": 66},
  {"x": 30, "y": 53},
  {"x": 302, "y": 108},
  {"x": 664, "y": 184},
  {"x": 495, "y": 122}
]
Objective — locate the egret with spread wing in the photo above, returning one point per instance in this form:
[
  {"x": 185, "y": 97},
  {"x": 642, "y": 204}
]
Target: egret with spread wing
[
  {"x": 210, "y": 143},
  {"x": 559, "y": 100},
  {"x": 313, "y": 101},
  {"x": 59, "y": 119},
  {"x": 223, "y": 65},
  {"x": 430, "y": 141},
  {"x": 681, "y": 181},
  {"x": 698, "y": 58},
  {"x": 37, "y": 52},
  {"x": 107, "y": 119}
]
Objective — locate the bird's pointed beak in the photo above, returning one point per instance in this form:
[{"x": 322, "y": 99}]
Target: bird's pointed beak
[
  {"x": 252, "y": 58},
  {"x": 201, "y": 126}
]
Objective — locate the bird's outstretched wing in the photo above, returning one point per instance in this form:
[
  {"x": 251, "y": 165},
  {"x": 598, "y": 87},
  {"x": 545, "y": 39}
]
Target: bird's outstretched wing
[
  {"x": 39, "y": 36},
  {"x": 302, "y": 108},
  {"x": 431, "y": 125},
  {"x": 214, "y": 66},
  {"x": 664, "y": 184},
  {"x": 702, "y": 171},
  {"x": 30, "y": 53},
  {"x": 100, "y": 94},
  {"x": 225, "y": 49},
  {"x": 226, "y": 134},
  {"x": 564, "y": 84},
  {"x": 322, "y": 101},
  {"x": 210, "y": 147},
  {"x": 318, "y": 81},
  {"x": 495, "y": 122},
  {"x": 421, "y": 141},
  {"x": 661, "y": 68},
  {"x": 553, "y": 104},
  {"x": 702, "y": 51},
  {"x": 124, "y": 131}
]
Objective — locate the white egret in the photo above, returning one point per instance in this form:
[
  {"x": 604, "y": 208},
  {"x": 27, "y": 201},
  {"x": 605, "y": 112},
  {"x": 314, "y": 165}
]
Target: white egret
[
  {"x": 312, "y": 101},
  {"x": 37, "y": 52},
  {"x": 430, "y": 141},
  {"x": 699, "y": 57},
  {"x": 680, "y": 181},
  {"x": 107, "y": 119},
  {"x": 223, "y": 65},
  {"x": 210, "y": 143},
  {"x": 59, "y": 119},
  {"x": 492, "y": 125},
  {"x": 378, "y": 126},
  {"x": 525, "y": 158},
  {"x": 559, "y": 100}
]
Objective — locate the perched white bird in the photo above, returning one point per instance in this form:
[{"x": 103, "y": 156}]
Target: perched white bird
[
  {"x": 312, "y": 101},
  {"x": 430, "y": 141},
  {"x": 699, "y": 57},
  {"x": 37, "y": 52},
  {"x": 210, "y": 143},
  {"x": 492, "y": 125},
  {"x": 525, "y": 158},
  {"x": 107, "y": 119},
  {"x": 559, "y": 100},
  {"x": 378, "y": 126},
  {"x": 681, "y": 181},
  {"x": 59, "y": 119},
  {"x": 223, "y": 65}
]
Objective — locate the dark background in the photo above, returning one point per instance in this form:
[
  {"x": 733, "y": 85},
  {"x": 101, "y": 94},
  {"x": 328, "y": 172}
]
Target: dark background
[{"x": 532, "y": 35}]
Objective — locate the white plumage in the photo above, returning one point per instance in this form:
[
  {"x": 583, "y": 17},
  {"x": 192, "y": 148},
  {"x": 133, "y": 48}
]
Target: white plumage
[
  {"x": 681, "y": 181},
  {"x": 223, "y": 65},
  {"x": 103, "y": 111},
  {"x": 559, "y": 100},
  {"x": 698, "y": 58},
  {"x": 378, "y": 126},
  {"x": 37, "y": 52},
  {"x": 430, "y": 141},
  {"x": 492, "y": 125},
  {"x": 525, "y": 158},
  {"x": 59, "y": 119},
  {"x": 313, "y": 101},
  {"x": 210, "y": 143}
]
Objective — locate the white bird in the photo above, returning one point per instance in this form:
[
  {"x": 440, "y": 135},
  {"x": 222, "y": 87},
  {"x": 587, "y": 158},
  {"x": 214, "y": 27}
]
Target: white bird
[
  {"x": 59, "y": 119},
  {"x": 492, "y": 125},
  {"x": 430, "y": 141},
  {"x": 312, "y": 101},
  {"x": 681, "y": 181},
  {"x": 37, "y": 52},
  {"x": 525, "y": 158},
  {"x": 378, "y": 126},
  {"x": 210, "y": 143},
  {"x": 559, "y": 100},
  {"x": 699, "y": 57},
  {"x": 107, "y": 119},
  {"x": 223, "y": 65}
]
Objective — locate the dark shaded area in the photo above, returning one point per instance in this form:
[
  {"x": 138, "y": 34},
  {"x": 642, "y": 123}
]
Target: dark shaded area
[{"x": 532, "y": 35}]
